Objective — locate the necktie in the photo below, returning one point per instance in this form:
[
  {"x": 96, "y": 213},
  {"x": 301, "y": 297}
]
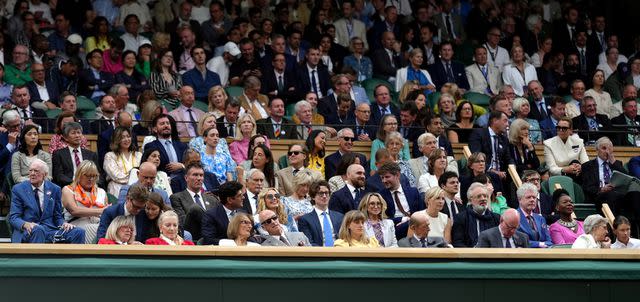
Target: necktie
[
  {"x": 583, "y": 62},
  {"x": 534, "y": 230},
  {"x": 295, "y": 171},
  {"x": 196, "y": 197},
  {"x": 450, "y": 77},
  {"x": 396, "y": 198},
  {"x": 277, "y": 132},
  {"x": 328, "y": 232},
  {"x": 194, "y": 123},
  {"x": 393, "y": 63},
  {"x": 537, "y": 208},
  {"x": 606, "y": 173},
  {"x": 280, "y": 84},
  {"x": 593, "y": 125},
  {"x": 76, "y": 158},
  {"x": 423, "y": 242},
  {"x": 285, "y": 241},
  {"x": 230, "y": 131},
  {"x": 496, "y": 163},
  {"x": 543, "y": 112},
  {"x": 171, "y": 153},
  {"x": 573, "y": 33},
  {"x": 356, "y": 199},
  {"x": 602, "y": 42},
  {"x": 313, "y": 82},
  {"x": 25, "y": 115},
  {"x": 507, "y": 244},
  {"x": 449, "y": 26},
  {"x": 37, "y": 196}
]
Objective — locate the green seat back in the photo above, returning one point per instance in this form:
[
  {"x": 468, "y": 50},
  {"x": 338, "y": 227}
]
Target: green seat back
[
  {"x": 201, "y": 105},
  {"x": 283, "y": 161},
  {"x": 432, "y": 99},
  {"x": 85, "y": 104},
  {"x": 53, "y": 113},
  {"x": 112, "y": 199},
  {"x": 566, "y": 183},
  {"x": 369, "y": 86},
  {"x": 290, "y": 110},
  {"x": 479, "y": 99},
  {"x": 234, "y": 91}
]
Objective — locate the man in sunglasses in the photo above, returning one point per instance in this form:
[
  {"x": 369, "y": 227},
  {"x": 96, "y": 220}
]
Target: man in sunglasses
[
  {"x": 345, "y": 142},
  {"x": 296, "y": 156},
  {"x": 276, "y": 234}
]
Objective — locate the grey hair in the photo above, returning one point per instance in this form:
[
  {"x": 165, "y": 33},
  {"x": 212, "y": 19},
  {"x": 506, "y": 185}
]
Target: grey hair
[
  {"x": 527, "y": 186},
  {"x": 517, "y": 104},
  {"x": 115, "y": 88},
  {"x": 68, "y": 127},
  {"x": 593, "y": 221},
  {"x": 394, "y": 135},
  {"x": 36, "y": 162},
  {"x": 343, "y": 131},
  {"x": 299, "y": 105},
  {"x": 9, "y": 116},
  {"x": 473, "y": 186},
  {"x": 250, "y": 173},
  {"x": 422, "y": 139},
  {"x": 603, "y": 140},
  {"x": 532, "y": 20}
]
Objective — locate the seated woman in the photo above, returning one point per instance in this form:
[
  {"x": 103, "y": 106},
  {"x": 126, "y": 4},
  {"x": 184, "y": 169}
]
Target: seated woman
[
  {"x": 421, "y": 103},
  {"x": 395, "y": 144},
  {"x": 388, "y": 124},
  {"x": 218, "y": 163},
  {"x": 565, "y": 153},
  {"x": 567, "y": 229},
  {"x": 239, "y": 148},
  {"x": 149, "y": 111},
  {"x": 258, "y": 139},
  {"x": 152, "y": 155},
  {"x": 521, "y": 110},
  {"x": 338, "y": 181},
  {"x": 352, "y": 232},
  {"x": 205, "y": 122},
  {"x": 168, "y": 224},
  {"x": 595, "y": 234},
  {"x": 413, "y": 72},
  {"x": 439, "y": 223},
  {"x": 57, "y": 141},
  {"x": 460, "y": 131},
  {"x": 29, "y": 149},
  {"x": 269, "y": 199},
  {"x": 520, "y": 146},
  {"x": 299, "y": 203},
  {"x": 315, "y": 144},
  {"x": 427, "y": 143},
  {"x": 217, "y": 99},
  {"x": 164, "y": 80},
  {"x": 262, "y": 159},
  {"x": 358, "y": 61},
  {"x": 373, "y": 206},
  {"x": 153, "y": 208},
  {"x": 437, "y": 165},
  {"x": 84, "y": 201},
  {"x": 497, "y": 202},
  {"x": 122, "y": 230},
  {"x": 239, "y": 231},
  {"x": 447, "y": 109},
  {"x": 476, "y": 166},
  {"x": 121, "y": 160},
  {"x": 135, "y": 81},
  {"x": 622, "y": 229}
]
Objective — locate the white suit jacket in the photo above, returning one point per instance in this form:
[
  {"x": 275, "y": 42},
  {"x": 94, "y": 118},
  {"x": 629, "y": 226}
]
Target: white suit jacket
[
  {"x": 558, "y": 154},
  {"x": 388, "y": 233}
]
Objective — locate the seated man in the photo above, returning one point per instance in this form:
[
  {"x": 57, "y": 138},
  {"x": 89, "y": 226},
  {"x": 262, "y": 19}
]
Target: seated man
[
  {"x": 36, "y": 210},
  {"x": 313, "y": 223},
  {"x": 66, "y": 160},
  {"x": 134, "y": 205},
  {"x": 192, "y": 199},
  {"x": 534, "y": 225},
  {"x": 348, "y": 197},
  {"x": 629, "y": 117},
  {"x": 493, "y": 142},
  {"x": 505, "y": 235},
  {"x": 146, "y": 178},
  {"x": 402, "y": 200},
  {"x": 589, "y": 123},
  {"x": 419, "y": 224},
  {"x": 557, "y": 110},
  {"x": 544, "y": 203},
  {"x": 365, "y": 130},
  {"x": 374, "y": 182},
  {"x": 107, "y": 116},
  {"x": 284, "y": 177},
  {"x": 276, "y": 126},
  {"x": 94, "y": 83},
  {"x": 276, "y": 235},
  {"x": 345, "y": 145},
  {"x": 187, "y": 116},
  {"x": 304, "y": 112},
  {"x": 216, "y": 220},
  {"x": 179, "y": 183},
  {"x": 475, "y": 219},
  {"x": 449, "y": 182},
  {"x": 199, "y": 77},
  {"x": 252, "y": 101},
  {"x": 43, "y": 93},
  {"x": 170, "y": 151}
]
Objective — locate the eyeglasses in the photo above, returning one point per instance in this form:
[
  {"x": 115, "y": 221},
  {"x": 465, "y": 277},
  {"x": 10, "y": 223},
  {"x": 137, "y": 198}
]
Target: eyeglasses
[
  {"x": 563, "y": 129},
  {"x": 323, "y": 193},
  {"x": 92, "y": 176},
  {"x": 347, "y": 138},
  {"x": 272, "y": 196},
  {"x": 247, "y": 222},
  {"x": 533, "y": 180},
  {"x": 293, "y": 153},
  {"x": 270, "y": 220}
]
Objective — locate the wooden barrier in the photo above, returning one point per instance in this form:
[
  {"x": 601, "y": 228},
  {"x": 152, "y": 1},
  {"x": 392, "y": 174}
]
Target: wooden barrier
[
  {"x": 513, "y": 172},
  {"x": 608, "y": 214}
]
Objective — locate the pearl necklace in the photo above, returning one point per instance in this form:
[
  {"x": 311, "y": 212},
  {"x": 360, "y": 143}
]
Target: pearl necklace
[{"x": 570, "y": 225}]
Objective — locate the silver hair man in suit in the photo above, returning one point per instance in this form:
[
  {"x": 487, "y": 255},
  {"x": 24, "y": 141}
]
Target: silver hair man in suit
[
  {"x": 420, "y": 238},
  {"x": 505, "y": 235},
  {"x": 276, "y": 234},
  {"x": 297, "y": 155}
]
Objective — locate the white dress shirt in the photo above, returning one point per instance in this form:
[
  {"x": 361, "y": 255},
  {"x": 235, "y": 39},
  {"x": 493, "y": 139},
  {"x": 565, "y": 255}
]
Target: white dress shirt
[{"x": 403, "y": 202}]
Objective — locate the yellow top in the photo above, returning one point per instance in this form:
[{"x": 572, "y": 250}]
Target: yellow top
[
  {"x": 316, "y": 119},
  {"x": 92, "y": 43},
  {"x": 373, "y": 242},
  {"x": 316, "y": 163}
]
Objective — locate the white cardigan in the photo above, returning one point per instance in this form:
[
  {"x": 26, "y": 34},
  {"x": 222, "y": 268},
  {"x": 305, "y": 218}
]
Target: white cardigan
[{"x": 511, "y": 76}]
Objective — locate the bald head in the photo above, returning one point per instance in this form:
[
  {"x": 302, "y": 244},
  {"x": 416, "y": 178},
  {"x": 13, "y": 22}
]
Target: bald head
[
  {"x": 509, "y": 222},
  {"x": 147, "y": 174},
  {"x": 419, "y": 224},
  {"x": 355, "y": 175}
]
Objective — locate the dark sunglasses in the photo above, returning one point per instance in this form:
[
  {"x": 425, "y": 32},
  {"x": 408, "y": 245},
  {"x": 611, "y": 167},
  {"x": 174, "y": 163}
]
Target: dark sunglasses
[
  {"x": 270, "y": 220},
  {"x": 347, "y": 138},
  {"x": 562, "y": 128},
  {"x": 293, "y": 153},
  {"x": 272, "y": 196}
]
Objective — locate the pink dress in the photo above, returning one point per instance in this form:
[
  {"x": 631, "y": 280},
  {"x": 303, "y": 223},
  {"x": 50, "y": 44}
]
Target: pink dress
[
  {"x": 239, "y": 150},
  {"x": 562, "y": 235}
]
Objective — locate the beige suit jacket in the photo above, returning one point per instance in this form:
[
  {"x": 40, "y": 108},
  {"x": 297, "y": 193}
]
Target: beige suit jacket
[
  {"x": 477, "y": 81},
  {"x": 246, "y": 105},
  {"x": 284, "y": 178}
]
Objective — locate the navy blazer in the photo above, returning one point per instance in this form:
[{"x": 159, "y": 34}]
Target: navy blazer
[
  {"x": 342, "y": 200},
  {"x": 179, "y": 184},
  {"x": 24, "y": 208},
  {"x": 110, "y": 213},
  {"x": 535, "y": 111},
  {"x": 369, "y": 128},
  {"x": 86, "y": 78},
  {"x": 374, "y": 183},
  {"x": 5, "y": 154},
  {"x": 439, "y": 74},
  {"x": 54, "y": 94},
  {"x": 376, "y": 115},
  {"x": 303, "y": 81},
  {"x": 311, "y": 226},
  {"x": 200, "y": 86},
  {"x": 413, "y": 198},
  {"x": 214, "y": 225},
  {"x": 332, "y": 161},
  {"x": 270, "y": 83},
  {"x": 136, "y": 83},
  {"x": 479, "y": 141},
  {"x": 581, "y": 124},
  {"x": 548, "y": 128},
  {"x": 178, "y": 146},
  {"x": 541, "y": 227}
]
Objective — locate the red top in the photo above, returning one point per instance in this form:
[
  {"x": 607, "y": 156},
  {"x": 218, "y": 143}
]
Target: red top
[
  {"x": 160, "y": 241},
  {"x": 106, "y": 241}
]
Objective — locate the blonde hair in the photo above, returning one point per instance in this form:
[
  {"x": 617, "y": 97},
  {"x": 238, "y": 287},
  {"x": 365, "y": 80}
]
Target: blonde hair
[
  {"x": 234, "y": 224},
  {"x": 364, "y": 204},
  {"x": 85, "y": 167},
  {"x": 203, "y": 118},
  {"x": 148, "y": 113},
  {"x": 246, "y": 116},
  {"x": 407, "y": 88},
  {"x": 514, "y": 130},
  {"x": 432, "y": 193},
  {"x": 116, "y": 224},
  {"x": 302, "y": 178},
  {"x": 212, "y": 91},
  {"x": 349, "y": 217},
  {"x": 280, "y": 211}
]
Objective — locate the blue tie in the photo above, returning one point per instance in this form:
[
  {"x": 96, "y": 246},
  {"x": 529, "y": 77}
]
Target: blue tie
[
  {"x": 328, "y": 233},
  {"x": 171, "y": 153}
]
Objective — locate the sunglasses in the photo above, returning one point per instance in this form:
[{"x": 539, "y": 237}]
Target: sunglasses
[
  {"x": 562, "y": 128},
  {"x": 293, "y": 153},
  {"x": 347, "y": 138},
  {"x": 272, "y": 196},
  {"x": 270, "y": 220}
]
